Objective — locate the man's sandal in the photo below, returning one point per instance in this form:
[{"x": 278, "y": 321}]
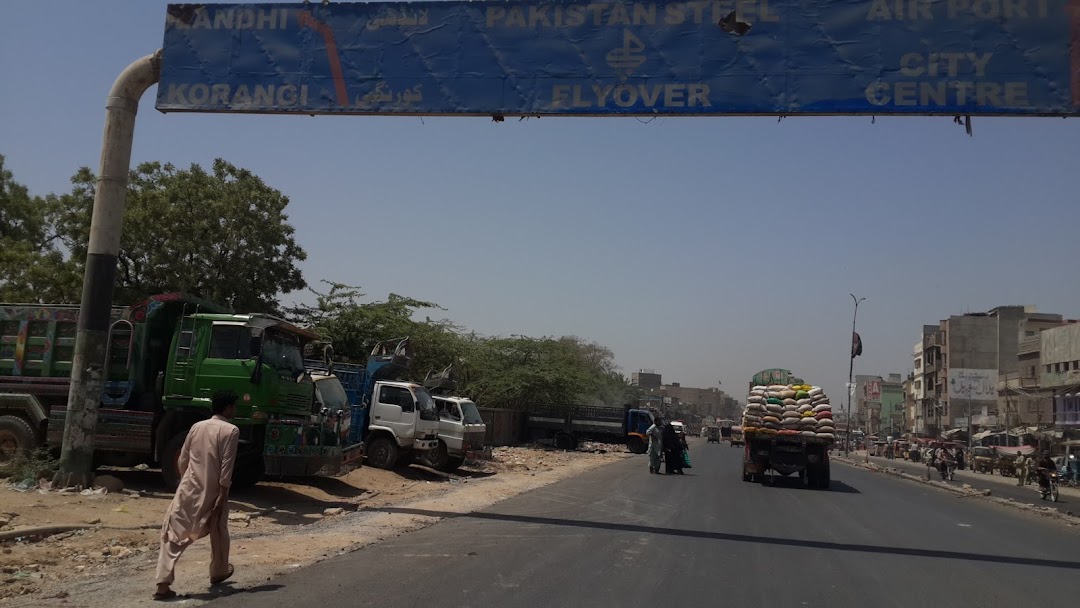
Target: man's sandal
[{"x": 218, "y": 581}]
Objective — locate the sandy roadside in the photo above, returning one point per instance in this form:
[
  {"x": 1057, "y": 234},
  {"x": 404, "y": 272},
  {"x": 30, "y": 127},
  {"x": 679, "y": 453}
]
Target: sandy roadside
[{"x": 276, "y": 527}]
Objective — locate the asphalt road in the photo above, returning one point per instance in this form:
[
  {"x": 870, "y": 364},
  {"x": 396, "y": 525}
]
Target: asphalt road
[
  {"x": 1002, "y": 487},
  {"x": 618, "y": 536}
]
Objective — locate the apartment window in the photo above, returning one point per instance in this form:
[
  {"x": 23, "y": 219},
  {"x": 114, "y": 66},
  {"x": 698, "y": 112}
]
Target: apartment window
[
  {"x": 1048, "y": 368},
  {"x": 1076, "y": 365},
  {"x": 1057, "y": 368},
  {"x": 1032, "y": 375},
  {"x": 918, "y": 363},
  {"x": 918, "y": 384}
]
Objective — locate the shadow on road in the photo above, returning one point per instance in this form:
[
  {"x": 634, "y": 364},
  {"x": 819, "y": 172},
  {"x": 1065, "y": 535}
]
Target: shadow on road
[
  {"x": 225, "y": 591},
  {"x": 838, "y": 487},
  {"x": 741, "y": 538},
  {"x": 842, "y": 488}
]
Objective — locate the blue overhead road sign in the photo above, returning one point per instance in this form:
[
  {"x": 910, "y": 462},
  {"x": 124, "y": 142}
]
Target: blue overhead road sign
[{"x": 534, "y": 57}]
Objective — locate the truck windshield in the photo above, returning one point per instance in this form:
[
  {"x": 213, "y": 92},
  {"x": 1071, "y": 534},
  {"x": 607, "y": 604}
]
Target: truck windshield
[
  {"x": 469, "y": 413},
  {"x": 331, "y": 394},
  {"x": 281, "y": 351}
]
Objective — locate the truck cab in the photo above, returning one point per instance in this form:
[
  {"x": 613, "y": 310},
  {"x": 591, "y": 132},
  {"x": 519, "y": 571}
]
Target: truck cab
[
  {"x": 403, "y": 420},
  {"x": 461, "y": 430}
]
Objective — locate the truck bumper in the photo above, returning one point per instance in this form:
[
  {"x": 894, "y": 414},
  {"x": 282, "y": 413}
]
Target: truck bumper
[{"x": 424, "y": 445}]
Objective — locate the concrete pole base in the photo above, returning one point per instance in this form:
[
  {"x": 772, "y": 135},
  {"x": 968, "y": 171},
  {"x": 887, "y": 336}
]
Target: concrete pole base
[{"x": 77, "y": 480}]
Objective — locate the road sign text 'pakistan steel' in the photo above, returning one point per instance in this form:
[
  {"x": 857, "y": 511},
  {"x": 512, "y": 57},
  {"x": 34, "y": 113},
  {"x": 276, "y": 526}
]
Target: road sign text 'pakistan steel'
[{"x": 722, "y": 57}]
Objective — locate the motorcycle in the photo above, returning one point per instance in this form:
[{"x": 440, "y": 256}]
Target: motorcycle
[
  {"x": 947, "y": 469},
  {"x": 1050, "y": 489}
]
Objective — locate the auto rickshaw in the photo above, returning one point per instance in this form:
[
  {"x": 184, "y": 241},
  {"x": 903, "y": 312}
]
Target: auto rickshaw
[
  {"x": 982, "y": 460},
  {"x": 713, "y": 434}
]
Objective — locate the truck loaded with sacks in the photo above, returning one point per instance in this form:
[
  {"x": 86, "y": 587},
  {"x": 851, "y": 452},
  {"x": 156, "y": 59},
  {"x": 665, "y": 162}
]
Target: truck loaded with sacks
[{"x": 788, "y": 430}]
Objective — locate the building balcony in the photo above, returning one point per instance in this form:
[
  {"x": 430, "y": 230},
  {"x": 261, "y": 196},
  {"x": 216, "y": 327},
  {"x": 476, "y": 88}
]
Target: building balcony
[
  {"x": 1029, "y": 346},
  {"x": 933, "y": 340}
]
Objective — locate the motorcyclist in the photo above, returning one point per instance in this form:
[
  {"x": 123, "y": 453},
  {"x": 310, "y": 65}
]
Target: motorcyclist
[
  {"x": 1043, "y": 467},
  {"x": 944, "y": 460}
]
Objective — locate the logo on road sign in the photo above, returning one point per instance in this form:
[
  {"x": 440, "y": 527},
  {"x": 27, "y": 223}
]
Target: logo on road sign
[{"x": 628, "y": 57}]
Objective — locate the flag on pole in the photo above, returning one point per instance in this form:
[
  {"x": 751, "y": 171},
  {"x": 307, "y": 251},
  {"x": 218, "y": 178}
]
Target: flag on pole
[{"x": 856, "y": 345}]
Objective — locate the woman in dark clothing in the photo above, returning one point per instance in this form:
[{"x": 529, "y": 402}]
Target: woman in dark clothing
[{"x": 673, "y": 458}]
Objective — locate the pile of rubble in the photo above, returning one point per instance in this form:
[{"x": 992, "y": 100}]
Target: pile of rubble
[{"x": 536, "y": 458}]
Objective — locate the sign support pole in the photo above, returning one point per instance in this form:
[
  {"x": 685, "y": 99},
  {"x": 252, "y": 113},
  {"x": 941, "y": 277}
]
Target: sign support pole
[
  {"x": 89, "y": 370},
  {"x": 850, "y": 373}
]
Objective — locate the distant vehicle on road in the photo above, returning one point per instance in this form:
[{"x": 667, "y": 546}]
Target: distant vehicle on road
[
  {"x": 713, "y": 434},
  {"x": 735, "y": 436}
]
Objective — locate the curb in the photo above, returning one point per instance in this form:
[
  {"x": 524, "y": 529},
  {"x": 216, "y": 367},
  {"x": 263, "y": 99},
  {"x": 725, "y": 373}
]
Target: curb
[{"x": 963, "y": 492}]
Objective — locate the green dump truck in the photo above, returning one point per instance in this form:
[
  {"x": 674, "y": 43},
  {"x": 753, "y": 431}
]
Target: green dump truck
[{"x": 166, "y": 357}]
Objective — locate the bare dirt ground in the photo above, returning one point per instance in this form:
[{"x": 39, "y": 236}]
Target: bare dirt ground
[{"x": 275, "y": 527}]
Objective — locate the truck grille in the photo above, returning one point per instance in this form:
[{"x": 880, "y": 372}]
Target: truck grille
[{"x": 298, "y": 402}]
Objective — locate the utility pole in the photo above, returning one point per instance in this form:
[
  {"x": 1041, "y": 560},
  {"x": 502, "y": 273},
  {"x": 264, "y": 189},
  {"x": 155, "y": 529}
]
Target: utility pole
[
  {"x": 88, "y": 366},
  {"x": 1008, "y": 407},
  {"x": 850, "y": 374}
]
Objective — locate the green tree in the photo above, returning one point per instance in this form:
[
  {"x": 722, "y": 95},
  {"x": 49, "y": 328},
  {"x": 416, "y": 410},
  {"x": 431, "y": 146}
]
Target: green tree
[
  {"x": 354, "y": 327},
  {"x": 513, "y": 371},
  {"x": 32, "y": 269},
  {"x": 222, "y": 235},
  {"x": 519, "y": 371}
]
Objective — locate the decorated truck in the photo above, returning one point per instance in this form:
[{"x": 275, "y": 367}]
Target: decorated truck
[{"x": 165, "y": 358}]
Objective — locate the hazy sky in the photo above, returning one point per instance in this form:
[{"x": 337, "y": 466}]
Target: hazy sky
[{"x": 707, "y": 249}]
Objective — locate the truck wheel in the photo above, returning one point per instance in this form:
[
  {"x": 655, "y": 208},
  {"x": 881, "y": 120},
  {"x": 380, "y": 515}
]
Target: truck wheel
[
  {"x": 565, "y": 441},
  {"x": 16, "y": 437},
  {"x": 747, "y": 476},
  {"x": 249, "y": 471},
  {"x": 382, "y": 453},
  {"x": 170, "y": 460},
  {"x": 437, "y": 458},
  {"x": 636, "y": 445}
]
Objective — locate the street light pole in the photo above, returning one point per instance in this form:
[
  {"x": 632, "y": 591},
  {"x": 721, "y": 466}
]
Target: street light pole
[{"x": 850, "y": 374}]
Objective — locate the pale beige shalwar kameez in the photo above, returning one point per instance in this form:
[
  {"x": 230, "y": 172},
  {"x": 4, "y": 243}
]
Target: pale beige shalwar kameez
[{"x": 205, "y": 465}]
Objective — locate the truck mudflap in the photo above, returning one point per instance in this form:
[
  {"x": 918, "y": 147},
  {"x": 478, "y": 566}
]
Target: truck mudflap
[{"x": 287, "y": 452}]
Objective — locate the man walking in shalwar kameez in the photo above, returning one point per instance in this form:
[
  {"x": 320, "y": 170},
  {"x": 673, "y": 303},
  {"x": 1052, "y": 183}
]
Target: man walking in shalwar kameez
[
  {"x": 201, "y": 505},
  {"x": 655, "y": 444}
]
